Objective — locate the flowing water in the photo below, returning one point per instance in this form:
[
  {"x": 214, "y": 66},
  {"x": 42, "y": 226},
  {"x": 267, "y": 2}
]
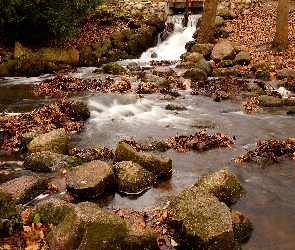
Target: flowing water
[{"x": 269, "y": 198}]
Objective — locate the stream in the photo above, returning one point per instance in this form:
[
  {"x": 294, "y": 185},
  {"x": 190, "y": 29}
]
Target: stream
[{"x": 269, "y": 198}]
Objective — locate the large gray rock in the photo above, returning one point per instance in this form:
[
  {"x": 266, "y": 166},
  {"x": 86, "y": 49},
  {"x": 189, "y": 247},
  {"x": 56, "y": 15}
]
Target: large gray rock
[
  {"x": 90, "y": 179},
  {"x": 155, "y": 163},
  {"x": 132, "y": 178},
  {"x": 87, "y": 227},
  {"x": 51, "y": 211},
  {"x": 23, "y": 189},
  {"x": 223, "y": 184},
  {"x": 47, "y": 161},
  {"x": 223, "y": 50},
  {"x": 201, "y": 220},
  {"x": 10, "y": 220},
  {"x": 55, "y": 141}
]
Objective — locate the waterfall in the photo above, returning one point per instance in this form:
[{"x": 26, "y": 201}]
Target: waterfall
[{"x": 174, "y": 45}]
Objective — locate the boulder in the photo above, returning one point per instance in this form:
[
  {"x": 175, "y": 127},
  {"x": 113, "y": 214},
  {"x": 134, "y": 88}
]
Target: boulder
[
  {"x": 90, "y": 179},
  {"x": 283, "y": 73},
  {"x": 262, "y": 70},
  {"x": 242, "y": 226},
  {"x": 7, "y": 69},
  {"x": 243, "y": 58},
  {"x": 51, "y": 211},
  {"x": 55, "y": 141},
  {"x": 163, "y": 71},
  {"x": 138, "y": 235},
  {"x": 48, "y": 162},
  {"x": 20, "y": 50},
  {"x": 23, "y": 189},
  {"x": 87, "y": 227},
  {"x": 175, "y": 107},
  {"x": 205, "y": 65},
  {"x": 112, "y": 68},
  {"x": 79, "y": 111},
  {"x": 155, "y": 163},
  {"x": 132, "y": 178},
  {"x": 271, "y": 101},
  {"x": 204, "y": 49},
  {"x": 226, "y": 63},
  {"x": 10, "y": 220},
  {"x": 88, "y": 57},
  {"x": 141, "y": 41},
  {"x": 223, "y": 50},
  {"x": 30, "y": 65},
  {"x": 195, "y": 74},
  {"x": 219, "y": 21},
  {"x": 117, "y": 36},
  {"x": 61, "y": 56},
  {"x": 133, "y": 66},
  {"x": 223, "y": 184},
  {"x": 192, "y": 57},
  {"x": 200, "y": 220}
]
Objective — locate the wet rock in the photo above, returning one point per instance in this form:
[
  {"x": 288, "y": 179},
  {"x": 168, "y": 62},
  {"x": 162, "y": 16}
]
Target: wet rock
[
  {"x": 195, "y": 74},
  {"x": 242, "y": 226},
  {"x": 157, "y": 164},
  {"x": 291, "y": 112},
  {"x": 204, "y": 49},
  {"x": 116, "y": 55},
  {"x": 157, "y": 80},
  {"x": 23, "y": 189},
  {"x": 29, "y": 65},
  {"x": 55, "y": 141},
  {"x": 163, "y": 71},
  {"x": 48, "y": 162},
  {"x": 203, "y": 125},
  {"x": 112, "y": 68},
  {"x": 223, "y": 50},
  {"x": 90, "y": 179},
  {"x": 79, "y": 111},
  {"x": 243, "y": 58},
  {"x": 223, "y": 184},
  {"x": 133, "y": 67},
  {"x": 138, "y": 235},
  {"x": 283, "y": 73},
  {"x": 51, "y": 211},
  {"x": 200, "y": 220},
  {"x": 154, "y": 55},
  {"x": 175, "y": 107},
  {"x": 270, "y": 101},
  {"x": 132, "y": 178},
  {"x": 10, "y": 220},
  {"x": 86, "y": 227},
  {"x": 151, "y": 144}
]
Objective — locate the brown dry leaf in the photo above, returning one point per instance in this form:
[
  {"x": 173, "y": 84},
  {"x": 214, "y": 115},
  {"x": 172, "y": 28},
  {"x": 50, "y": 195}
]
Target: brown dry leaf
[{"x": 34, "y": 246}]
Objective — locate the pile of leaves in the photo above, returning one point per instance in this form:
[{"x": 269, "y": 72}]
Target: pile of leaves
[
  {"x": 51, "y": 116},
  {"x": 92, "y": 154},
  {"x": 271, "y": 149},
  {"x": 199, "y": 141},
  {"x": 251, "y": 105},
  {"x": 218, "y": 88},
  {"x": 61, "y": 84}
]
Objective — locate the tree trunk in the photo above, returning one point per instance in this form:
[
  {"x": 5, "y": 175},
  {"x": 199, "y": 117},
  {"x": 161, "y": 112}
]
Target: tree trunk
[
  {"x": 206, "y": 32},
  {"x": 280, "y": 42}
]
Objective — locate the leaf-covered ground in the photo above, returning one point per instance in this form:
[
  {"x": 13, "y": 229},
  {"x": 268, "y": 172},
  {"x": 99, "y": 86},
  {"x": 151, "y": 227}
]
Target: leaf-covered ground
[{"x": 256, "y": 30}]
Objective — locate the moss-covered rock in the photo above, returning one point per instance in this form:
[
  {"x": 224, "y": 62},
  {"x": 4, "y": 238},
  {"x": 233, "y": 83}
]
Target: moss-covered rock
[
  {"x": 200, "y": 220},
  {"x": 242, "y": 226},
  {"x": 223, "y": 50},
  {"x": 47, "y": 161},
  {"x": 175, "y": 107},
  {"x": 155, "y": 163},
  {"x": 284, "y": 73},
  {"x": 193, "y": 57},
  {"x": 20, "y": 50},
  {"x": 262, "y": 70},
  {"x": 58, "y": 55},
  {"x": 112, "y": 68},
  {"x": 243, "y": 58},
  {"x": 132, "y": 178},
  {"x": 195, "y": 74},
  {"x": 10, "y": 220},
  {"x": 271, "y": 101},
  {"x": 79, "y": 111},
  {"x": 90, "y": 179},
  {"x": 51, "y": 211},
  {"x": 223, "y": 184},
  {"x": 87, "y": 227},
  {"x": 55, "y": 141},
  {"x": 204, "y": 49},
  {"x": 23, "y": 189}
]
